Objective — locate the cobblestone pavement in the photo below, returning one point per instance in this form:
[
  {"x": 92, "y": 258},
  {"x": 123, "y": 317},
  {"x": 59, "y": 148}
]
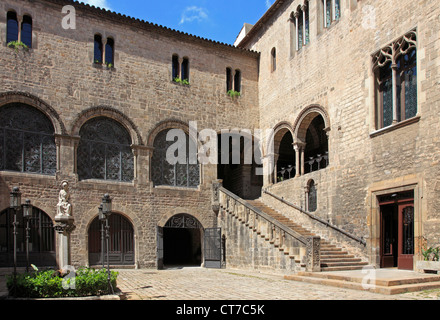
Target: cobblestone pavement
[{"x": 194, "y": 283}]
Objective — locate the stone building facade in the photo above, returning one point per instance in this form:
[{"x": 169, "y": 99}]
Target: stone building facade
[{"x": 348, "y": 87}]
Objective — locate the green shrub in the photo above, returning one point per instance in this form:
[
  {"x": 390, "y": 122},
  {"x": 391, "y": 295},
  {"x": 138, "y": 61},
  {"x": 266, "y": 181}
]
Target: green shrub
[
  {"x": 50, "y": 284},
  {"x": 233, "y": 93}
]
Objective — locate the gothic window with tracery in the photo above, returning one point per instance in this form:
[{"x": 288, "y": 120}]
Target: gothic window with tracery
[
  {"x": 181, "y": 174},
  {"x": 104, "y": 151},
  {"x": 395, "y": 70},
  {"x": 27, "y": 141}
]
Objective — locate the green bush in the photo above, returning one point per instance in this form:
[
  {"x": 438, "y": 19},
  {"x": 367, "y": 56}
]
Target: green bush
[{"x": 50, "y": 284}]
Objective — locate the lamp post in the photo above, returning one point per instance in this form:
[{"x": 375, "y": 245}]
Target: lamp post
[
  {"x": 27, "y": 215},
  {"x": 106, "y": 212},
  {"x": 102, "y": 219},
  {"x": 15, "y": 203}
]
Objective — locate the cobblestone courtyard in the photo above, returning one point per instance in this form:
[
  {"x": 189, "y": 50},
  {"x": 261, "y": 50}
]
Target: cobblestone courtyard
[{"x": 229, "y": 284}]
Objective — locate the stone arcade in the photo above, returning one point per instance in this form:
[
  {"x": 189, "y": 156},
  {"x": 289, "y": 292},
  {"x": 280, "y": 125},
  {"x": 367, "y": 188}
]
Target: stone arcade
[{"x": 348, "y": 89}]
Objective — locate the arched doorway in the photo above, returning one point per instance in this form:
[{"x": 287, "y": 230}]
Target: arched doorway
[
  {"x": 182, "y": 241},
  {"x": 41, "y": 242},
  {"x": 285, "y": 155},
  {"x": 121, "y": 251},
  {"x": 316, "y": 151},
  {"x": 238, "y": 164}
]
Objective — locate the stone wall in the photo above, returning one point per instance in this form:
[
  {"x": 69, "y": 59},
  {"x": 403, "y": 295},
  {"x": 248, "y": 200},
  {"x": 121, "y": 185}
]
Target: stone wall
[
  {"x": 59, "y": 77},
  {"x": 334, "y": 71}
]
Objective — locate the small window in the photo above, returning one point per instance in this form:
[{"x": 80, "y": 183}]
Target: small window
[
  {"x": 228, "y": 79},
  {"x": 26, "y": 31},
  {"x": 176, "y": 67},
  {"x": 185, "y": 69},
  {"x": 237, "y": 81},
  {"x": 273, "y": 55},
  {"x": 109, "y": 52},
  {"x": 331, "y": 11},
  {"x": 12, "y": 27},
  {"x": 98, "y": 49}
]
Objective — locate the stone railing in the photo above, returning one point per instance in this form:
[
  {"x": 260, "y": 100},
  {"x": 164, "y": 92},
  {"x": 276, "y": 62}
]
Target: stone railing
[
  {"x": 305, "y": 249},
  {"x": 319, "y": 220}
]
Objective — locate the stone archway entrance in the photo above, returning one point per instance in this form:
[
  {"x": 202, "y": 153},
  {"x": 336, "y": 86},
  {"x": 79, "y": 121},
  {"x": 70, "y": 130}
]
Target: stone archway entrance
[{"x": 180, "y": 242}]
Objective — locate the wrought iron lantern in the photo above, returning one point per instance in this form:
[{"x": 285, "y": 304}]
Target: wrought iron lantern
[
  {"x": 106, "y": 205},
  {"x": 27, "y": 209},
  {"x": 15, "y": 198}
]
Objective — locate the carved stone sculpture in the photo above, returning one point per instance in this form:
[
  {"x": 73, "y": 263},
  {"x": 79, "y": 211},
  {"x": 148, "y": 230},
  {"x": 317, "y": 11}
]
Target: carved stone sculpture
[{"x": 64, "y": 208}]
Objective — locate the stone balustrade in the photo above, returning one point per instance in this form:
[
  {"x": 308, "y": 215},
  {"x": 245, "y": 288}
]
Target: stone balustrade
[{"x": 291, "y": 243}]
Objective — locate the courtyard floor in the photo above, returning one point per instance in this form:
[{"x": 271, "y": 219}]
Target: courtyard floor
[{"x": 195, "y": 283}]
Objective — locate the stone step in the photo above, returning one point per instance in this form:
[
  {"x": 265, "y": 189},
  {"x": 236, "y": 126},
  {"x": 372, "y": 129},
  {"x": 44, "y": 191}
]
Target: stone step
[
  {"x": 359, "y": 281},
  {"x": 332, "y": 257},
  {"x": 343, "y": 264},
  {"x": 343, "y": 259}
]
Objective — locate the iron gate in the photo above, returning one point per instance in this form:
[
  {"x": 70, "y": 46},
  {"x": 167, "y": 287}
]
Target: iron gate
[{"x": 213, "y": 248}]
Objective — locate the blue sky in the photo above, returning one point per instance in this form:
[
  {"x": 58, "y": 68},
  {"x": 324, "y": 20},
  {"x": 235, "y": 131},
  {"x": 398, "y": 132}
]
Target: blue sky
[{"x": 216, "y": 20}]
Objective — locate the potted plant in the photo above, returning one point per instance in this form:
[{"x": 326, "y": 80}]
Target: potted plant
[{"x": 431, "y": 260}]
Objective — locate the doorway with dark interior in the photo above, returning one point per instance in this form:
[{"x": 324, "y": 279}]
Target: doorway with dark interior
[
  {"x": 180, "y": 242},
  {"x": 397, "y": 230}
]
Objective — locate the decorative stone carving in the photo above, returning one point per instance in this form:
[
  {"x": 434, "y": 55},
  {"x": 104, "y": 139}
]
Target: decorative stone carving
[
  {"x": 215, "y": 195},
  {"x": 64, "y": 208}
]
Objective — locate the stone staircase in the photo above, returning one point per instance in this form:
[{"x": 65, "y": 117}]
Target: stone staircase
[
  {"x": 383, "y": 281},
  {"x": 333, "y": 258}
]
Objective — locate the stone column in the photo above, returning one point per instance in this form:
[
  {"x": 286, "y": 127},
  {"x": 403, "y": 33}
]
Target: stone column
[
  {"x": 297, "y": 30},
  {"x": 297, "y": 156},
  {"x": 64, "y": 227}
]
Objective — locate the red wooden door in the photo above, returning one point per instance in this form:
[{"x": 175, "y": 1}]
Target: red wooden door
[{"x": 406, "y": 236}]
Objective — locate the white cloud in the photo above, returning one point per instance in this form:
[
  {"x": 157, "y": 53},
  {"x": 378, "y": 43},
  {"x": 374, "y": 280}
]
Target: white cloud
[
  {"x": 269, "y": 3},
  {"x": 194, "y": 13},
  {"x": 98, "y": 3}
]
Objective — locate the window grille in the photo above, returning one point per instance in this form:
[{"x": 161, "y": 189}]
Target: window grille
[
  {"x": 104, "y": 151},
  {"x": 185, "y": 175},
  {"x": 27, "y": 141}
]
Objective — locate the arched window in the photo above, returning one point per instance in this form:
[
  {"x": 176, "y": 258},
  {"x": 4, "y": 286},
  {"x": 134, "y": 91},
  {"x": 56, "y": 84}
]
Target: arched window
[
  {"x": 27, "y": 141},
  {"x": 396, "y": 76},
  {"x": 165, "y": 173},
  {"x": 273, "y": 57},
  {"x": 331, "y": 11},
  {"x": 109, "y": 52},
  {"x": 41, "y": 241},
  {"x": 312, "y": 200},
  {"x": 316, "y": 150},
  {"x": 26, "y": 31},
  {"x": 180, "y": 71},
  {"x": 98, "y": 49},
  {"x": 286, "y": 161},
  {"x": 104, "y": 151},
  {"x": 11, "y": 27}
]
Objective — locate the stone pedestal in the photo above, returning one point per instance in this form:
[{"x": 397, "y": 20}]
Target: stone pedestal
[
  {"x": 64, "y": 227},
  {"x": 313, "y": 254}
]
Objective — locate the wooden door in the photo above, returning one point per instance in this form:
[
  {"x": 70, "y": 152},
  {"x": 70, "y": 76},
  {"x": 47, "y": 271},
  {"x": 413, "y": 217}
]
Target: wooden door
[{"x": 406, "y": 236}]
